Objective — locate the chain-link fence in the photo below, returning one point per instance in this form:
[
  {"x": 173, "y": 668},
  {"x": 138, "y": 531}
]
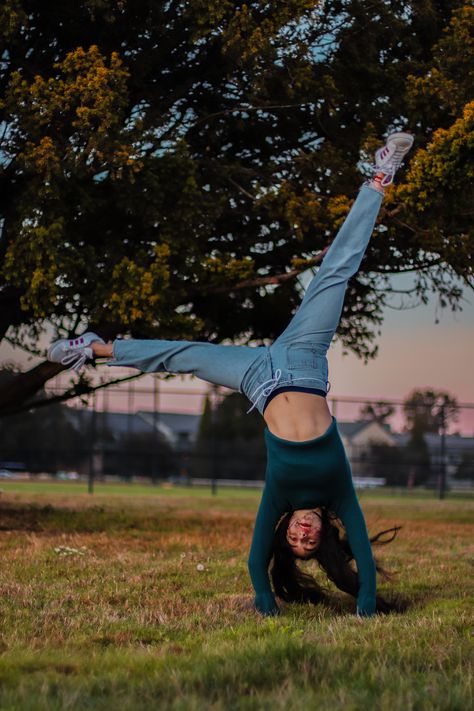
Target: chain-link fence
[{"x": 183, "y": 431}]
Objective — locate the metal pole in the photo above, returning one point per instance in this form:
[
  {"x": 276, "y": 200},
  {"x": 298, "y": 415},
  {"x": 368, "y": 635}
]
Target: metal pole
[
  {"x": 130, "y": 454},
  {"x": 92, "y": 433},
  {"x": 155, "y": 432},
  {"x": 442, "y": 478},
  {"x": 130, "y": 408},
  {"x": 214, "y": 461},
  {"x": 103, "y": 434}
]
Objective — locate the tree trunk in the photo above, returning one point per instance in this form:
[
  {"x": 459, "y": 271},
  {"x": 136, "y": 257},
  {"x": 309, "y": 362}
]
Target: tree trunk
[
  {"x": 11, "y": 313},
  {"x": 24, "y": 386}
]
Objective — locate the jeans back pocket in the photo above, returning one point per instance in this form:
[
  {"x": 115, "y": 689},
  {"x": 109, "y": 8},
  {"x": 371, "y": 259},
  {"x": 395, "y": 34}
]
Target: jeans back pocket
[{"x": 301, "y": 356}]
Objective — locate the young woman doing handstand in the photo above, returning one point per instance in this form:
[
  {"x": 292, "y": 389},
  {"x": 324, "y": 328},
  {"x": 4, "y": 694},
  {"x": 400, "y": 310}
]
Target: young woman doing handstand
[{"x": 308, "y": 479}]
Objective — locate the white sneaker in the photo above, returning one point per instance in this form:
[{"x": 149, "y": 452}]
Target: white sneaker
[
  {"x": 389, "y": 158},
  {"x": 73, "y": 352}
]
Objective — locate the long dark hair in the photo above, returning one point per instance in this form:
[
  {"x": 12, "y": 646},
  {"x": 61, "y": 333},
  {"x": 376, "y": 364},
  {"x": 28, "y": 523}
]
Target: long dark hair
[{"x": 334, "y": 556}]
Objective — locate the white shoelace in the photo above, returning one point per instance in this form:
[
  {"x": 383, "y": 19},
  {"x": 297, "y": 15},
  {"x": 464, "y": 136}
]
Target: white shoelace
[
  {"x": 75, "y": 359},
  {"x": 265, "y": 389}
]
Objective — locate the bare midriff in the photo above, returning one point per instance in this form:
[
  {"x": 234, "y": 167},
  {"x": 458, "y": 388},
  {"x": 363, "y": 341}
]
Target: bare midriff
[{"x": 297, "y": 416}]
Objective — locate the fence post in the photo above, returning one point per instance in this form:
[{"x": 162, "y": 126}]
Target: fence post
[
  {"x": 214, "y": 458},
  {"x": 442, "y": 477},
  {"x": 92, "y": 433},
  {"x": 156, "y": 438}
]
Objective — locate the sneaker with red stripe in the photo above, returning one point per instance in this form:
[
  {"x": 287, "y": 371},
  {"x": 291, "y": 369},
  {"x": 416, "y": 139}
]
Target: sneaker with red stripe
[
  {"x": 388, "y": 159},
  {"x": 73, "y": 352}
]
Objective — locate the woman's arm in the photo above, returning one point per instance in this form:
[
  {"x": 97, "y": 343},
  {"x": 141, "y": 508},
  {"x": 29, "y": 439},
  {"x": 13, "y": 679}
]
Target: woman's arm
[
  {"x": 350, "y": 513},
  {"x": 261, "y": 553}
]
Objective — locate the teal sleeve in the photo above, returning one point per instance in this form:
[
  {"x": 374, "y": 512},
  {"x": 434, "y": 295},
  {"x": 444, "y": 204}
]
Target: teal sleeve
[
  {"x": 351, "y": 515},
  {"x": 261, "y": 553}
]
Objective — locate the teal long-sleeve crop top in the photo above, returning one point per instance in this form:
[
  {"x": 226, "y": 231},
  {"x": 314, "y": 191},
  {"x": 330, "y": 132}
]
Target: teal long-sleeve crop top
[{"x": 303, "y": 475}]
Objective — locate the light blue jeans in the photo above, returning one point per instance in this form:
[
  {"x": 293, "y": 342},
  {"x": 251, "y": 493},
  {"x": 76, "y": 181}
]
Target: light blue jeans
[{"x": 298, "y": 356}]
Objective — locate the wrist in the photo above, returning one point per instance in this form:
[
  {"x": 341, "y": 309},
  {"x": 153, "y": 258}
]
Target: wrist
[
  {"x": 366, "y": 606},
  {"x": 265, "y": 603}
]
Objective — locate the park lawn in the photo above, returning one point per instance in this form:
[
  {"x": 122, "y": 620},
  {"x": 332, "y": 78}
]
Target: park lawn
[
  {"x": 142, "y": 601},
  {"x": 38, "y": 490}
]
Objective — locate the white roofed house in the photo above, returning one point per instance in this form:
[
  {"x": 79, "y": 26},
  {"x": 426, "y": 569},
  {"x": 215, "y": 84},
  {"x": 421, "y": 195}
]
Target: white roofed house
[
  {"x": 358, "y": 438},
  {"x": 133, "y": 444},
  {"x": 179, "y": 429},
  {"x": 182, "y": 430}
]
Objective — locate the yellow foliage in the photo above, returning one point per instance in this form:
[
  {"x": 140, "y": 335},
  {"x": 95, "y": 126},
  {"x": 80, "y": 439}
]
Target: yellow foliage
[
  {"x": 248, "y": 30},
  {"x": 136, "y": 290},
  {"x": 338, "y": 207},
  {"x": 231, "y": 269},
  {"x": 12, "y": 18},
  {"x": 43, "y": 156},
  {"x": 300, "y": 209},
  {"x": 85, "y": 97},
  {"x": 444, "y": 163},
  {"x": 448, "y": 83},
  {"x": 34, "y": 259}
]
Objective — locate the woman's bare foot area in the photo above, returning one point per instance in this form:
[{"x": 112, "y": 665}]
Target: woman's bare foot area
[
  {"x": 102, "y": 350},
  {"x": 376, "y": 183}
]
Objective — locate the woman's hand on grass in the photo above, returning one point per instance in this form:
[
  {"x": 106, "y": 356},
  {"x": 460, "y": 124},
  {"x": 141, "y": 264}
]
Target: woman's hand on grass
[{"x": 265, "y": 603}]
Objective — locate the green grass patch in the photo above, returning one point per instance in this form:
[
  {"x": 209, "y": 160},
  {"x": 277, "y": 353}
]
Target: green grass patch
[{"x": 139, "y": 598}]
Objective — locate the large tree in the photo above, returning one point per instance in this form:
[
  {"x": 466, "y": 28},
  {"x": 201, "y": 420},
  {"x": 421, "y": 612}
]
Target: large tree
[
  {"x": 429, "y": 411},
  {"x": 163, "y": 162},
  {"x": 378, "y": 411},
  {"x": 425, "y": 411}
]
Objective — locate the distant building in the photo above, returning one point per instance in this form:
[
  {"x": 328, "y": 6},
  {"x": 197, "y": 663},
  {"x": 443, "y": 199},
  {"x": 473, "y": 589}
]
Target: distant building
[
  {"x": 141, "y": 443},
  {"x": 363, "y": 433},
  {"x": 181, "y": 430},
  {"x": 358, "y": 438},
  {"x": 457, "y": 450},
  {"x": 178, "y": 430}
]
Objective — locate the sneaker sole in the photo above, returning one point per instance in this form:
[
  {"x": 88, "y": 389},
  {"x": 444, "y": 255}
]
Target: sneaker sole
[{"x": 406, "y": 140}]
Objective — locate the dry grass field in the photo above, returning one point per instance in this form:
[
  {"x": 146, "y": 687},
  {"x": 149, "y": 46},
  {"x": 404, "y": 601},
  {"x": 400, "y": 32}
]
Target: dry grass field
[{"x": 139, "y": 598}]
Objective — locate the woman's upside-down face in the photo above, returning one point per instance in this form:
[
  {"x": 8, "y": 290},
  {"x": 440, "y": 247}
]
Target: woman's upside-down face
[{"x": 304, "y": 531}]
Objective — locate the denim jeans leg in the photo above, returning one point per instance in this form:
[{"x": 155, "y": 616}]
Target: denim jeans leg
[
  {"x": 318, "y": 316},
  {"x": 221, "y": 365}
]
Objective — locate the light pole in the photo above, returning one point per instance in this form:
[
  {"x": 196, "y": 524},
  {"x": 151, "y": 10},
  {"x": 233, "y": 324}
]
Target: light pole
[
  {"x": 156, "y": 438},
  {"x": 214, "y": 401},
  {"x": 442, "y": 472},
  {"x": 92, "y": 437}
]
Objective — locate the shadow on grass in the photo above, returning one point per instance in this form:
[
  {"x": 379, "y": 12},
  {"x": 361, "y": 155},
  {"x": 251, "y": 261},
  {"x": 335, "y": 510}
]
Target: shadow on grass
[{"x": 53, "y": 519}]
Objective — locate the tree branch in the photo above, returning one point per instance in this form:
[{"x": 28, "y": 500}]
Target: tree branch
[
  {"x": 403, "y": 308},
  {"x": 414, "y": 268},
  {"x": 77, "y": 390},
  {"x": 236, "y": 109},
  {"x": 241, "y": 189},
  {"x": 15, "y": 343},
  {"x": 265, "y": 281},
  {"x": 24, "y": 385}
]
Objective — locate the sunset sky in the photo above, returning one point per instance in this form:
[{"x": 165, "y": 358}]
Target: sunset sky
[{"x": 414, "y": 351}]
